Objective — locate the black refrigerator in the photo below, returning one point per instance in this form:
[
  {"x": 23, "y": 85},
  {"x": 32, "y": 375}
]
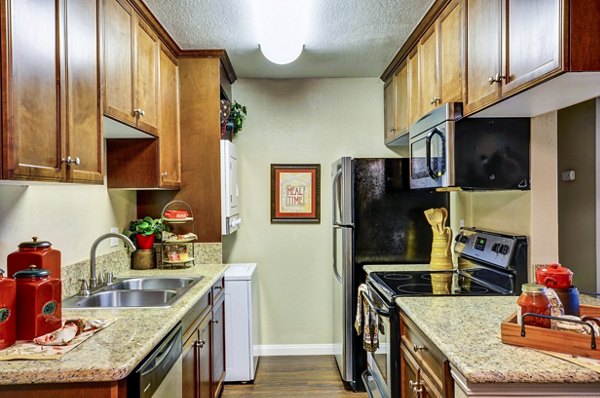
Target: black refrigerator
[{"x": 377, "y": 219}]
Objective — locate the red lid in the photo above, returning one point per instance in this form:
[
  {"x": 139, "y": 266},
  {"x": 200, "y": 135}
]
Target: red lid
[{"x": 555, "y": 270}]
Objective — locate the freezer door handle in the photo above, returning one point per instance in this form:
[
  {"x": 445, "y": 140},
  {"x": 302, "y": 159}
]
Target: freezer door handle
[
  {"x": 334, "y": 200},
  {"x": 335, "y": 269}
]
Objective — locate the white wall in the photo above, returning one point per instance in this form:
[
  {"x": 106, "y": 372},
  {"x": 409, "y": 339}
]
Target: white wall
[
  {"x": 70, "y": 216},
  {"x": 298, "y": 121}
]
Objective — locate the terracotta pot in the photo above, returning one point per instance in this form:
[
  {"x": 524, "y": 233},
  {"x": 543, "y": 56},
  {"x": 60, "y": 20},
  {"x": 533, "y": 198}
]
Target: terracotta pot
[
  {"x": 554, "y": 276},
  {"x": 145, "y": 242}
]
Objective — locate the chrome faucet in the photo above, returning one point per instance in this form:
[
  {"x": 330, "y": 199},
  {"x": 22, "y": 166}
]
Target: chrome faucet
[{"x": 93, "y": 278}]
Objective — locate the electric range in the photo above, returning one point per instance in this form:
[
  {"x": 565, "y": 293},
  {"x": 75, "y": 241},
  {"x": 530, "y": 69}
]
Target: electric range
[{"x": 490, "y": 263}]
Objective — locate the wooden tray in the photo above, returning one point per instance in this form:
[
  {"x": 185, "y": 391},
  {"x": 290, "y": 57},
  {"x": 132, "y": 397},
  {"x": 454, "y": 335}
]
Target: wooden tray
[{"x": 551, "y": 339}]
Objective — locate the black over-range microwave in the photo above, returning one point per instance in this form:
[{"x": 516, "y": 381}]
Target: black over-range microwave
[{"x": 448, "y": 151}]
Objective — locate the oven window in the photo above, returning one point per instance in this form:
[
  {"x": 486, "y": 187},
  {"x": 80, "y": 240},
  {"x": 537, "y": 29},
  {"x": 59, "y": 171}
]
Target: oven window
[{"x": 381, "y": 355}]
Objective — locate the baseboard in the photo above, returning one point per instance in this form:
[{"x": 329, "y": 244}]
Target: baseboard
[{"x": 267, "y": 350}]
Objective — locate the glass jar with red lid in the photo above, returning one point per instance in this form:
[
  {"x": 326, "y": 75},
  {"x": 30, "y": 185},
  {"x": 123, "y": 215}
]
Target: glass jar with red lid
[
  {"x": 534, "y": 299},
  {"x": 38, "y": 303},
  {"x": 8, "y": 325}
]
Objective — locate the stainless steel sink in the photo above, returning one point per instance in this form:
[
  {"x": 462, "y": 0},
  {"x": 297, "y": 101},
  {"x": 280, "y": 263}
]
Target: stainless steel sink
[
  {"x": 129, "y": 298},
  {"x": 153, "y": 283},
  {"x": 144, "y": 292}
]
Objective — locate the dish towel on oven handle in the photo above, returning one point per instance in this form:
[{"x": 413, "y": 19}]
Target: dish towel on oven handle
[{"x": 366, "y": 321}]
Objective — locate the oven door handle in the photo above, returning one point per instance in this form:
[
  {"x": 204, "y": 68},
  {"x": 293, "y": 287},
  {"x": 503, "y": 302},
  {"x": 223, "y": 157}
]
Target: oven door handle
[{"x": 378, "y": 310}]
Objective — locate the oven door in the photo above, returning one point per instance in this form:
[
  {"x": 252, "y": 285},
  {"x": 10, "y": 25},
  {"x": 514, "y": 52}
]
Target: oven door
[
  {"x": 379, "y": 362},
  {"x": 431, "y": 158}
]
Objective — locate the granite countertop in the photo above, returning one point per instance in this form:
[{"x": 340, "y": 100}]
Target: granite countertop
[
  {"x": 467, "y": 331},
  {"x": 111, "y": 354}
]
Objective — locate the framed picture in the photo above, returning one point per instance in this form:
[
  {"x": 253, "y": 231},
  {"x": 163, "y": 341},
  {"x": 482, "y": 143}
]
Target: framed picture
[{"x": 295, "y": 193}]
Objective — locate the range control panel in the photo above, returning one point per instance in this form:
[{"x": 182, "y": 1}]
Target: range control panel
[{"x": 488, "y": 247}]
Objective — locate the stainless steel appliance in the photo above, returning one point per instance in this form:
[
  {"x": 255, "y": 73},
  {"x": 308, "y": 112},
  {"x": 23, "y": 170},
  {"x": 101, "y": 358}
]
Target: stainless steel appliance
[
  {"x": 491, "y": 264},
  {"x": 377, "y": 219},
  {"x": 448, "y": 151},
  {"x": 160, "y": 375}
]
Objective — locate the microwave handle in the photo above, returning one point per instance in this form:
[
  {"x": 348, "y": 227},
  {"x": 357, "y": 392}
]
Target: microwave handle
[{"x": 433, "y": 132}]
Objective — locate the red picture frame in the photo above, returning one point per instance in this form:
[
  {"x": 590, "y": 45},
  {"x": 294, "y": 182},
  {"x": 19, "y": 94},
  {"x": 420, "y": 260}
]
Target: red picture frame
[{"x": 295, "y": 193}]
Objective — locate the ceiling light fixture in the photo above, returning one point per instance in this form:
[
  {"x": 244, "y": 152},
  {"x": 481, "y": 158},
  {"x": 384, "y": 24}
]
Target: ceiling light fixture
[{"x": 282, "y": 28}]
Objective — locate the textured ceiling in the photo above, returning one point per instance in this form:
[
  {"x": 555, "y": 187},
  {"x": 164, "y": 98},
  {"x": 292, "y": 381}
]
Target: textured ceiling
[{"x": 346, "y": 38}]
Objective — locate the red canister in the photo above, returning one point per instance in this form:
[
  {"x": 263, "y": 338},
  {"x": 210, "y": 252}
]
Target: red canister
[
  {"x": 38, "y": 303},
  {"x": 554, "y": 276},
  {"x": 8, "y": 324},
  {"x": 38, "y": 253}
]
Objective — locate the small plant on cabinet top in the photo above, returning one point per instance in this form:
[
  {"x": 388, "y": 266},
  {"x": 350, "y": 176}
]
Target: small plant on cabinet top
[{"x": 236, "y": 117}]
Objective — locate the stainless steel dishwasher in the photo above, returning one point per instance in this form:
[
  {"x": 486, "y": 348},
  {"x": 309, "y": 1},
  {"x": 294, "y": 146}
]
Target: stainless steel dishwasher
[{"x": 160, "y": 374}]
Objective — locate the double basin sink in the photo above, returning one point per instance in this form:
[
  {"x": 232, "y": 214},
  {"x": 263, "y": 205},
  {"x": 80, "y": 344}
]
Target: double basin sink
[{"x": 146, "y": 292}]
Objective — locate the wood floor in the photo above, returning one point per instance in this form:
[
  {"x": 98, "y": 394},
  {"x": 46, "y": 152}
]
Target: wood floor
[{"x": 302, "y": 376}]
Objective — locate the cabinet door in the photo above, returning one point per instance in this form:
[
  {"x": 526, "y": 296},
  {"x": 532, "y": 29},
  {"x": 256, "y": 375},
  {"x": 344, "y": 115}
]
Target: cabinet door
[
  {"x": 203, "y": 355},
  {"x": 414, "y": 97},
  {"x": 189, "y": 367},
  {"x": 409, "y": 376},
  {"x": 218, "y": 346},
  {"x": 533, "y": 46},
  {"x": 32, "y": 97},
  {"x": 118, "y": 60},
  {"x": 402, "y": 101},
  {"x": 83, "y": 119},
  {"x": 389, "y": 110},
  {"x": 169, "y": 145},
  {"x": 451, "y": 40},
  {"x": 483, "y": 53},
  {"x": 428, "y": 63},
  {"x": 147, "y": 49}
]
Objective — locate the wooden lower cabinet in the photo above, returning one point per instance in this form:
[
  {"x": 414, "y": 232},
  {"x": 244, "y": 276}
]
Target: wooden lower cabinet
[
  {"x": 204, "y": 346},
  {"x": 425, "y": 371}
]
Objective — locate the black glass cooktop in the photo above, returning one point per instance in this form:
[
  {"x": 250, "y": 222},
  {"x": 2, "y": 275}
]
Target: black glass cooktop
[{"x": 470, "y": 282}]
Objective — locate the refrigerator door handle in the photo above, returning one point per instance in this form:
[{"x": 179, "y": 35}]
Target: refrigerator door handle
[
  {"x": 334, "y": 200},
  {"x": 335, "y": 269}
]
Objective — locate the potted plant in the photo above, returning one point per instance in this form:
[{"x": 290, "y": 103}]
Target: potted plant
[
  {"x": 236, "y": 117},
  {"x": 145, "y": 231}
]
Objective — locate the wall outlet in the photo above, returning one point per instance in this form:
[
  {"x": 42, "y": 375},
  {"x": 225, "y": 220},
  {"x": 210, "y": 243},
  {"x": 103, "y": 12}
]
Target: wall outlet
[
  {"x": 114, "y": 242},
  {"x": 461, "y": 223}
]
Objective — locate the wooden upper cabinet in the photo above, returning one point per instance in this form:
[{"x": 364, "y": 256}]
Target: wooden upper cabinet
[
  {"x": 84, "y": 115},
  {"x": 428, "y": 62},
  {"x": 33, "y": 143},
  {"x": 401, "y": 78},
  {"x": 118, "y": 61},
  {"x": 484, "y": 19},
  {"x": 389, "y": 109},
  {"x": 147, "y": 53},
  {"x": 412, "y": 78},
  {"x": 170, "y": 147},
  {"x": 450, "y": 57},
  {"x": 131, "y": 67},
  {"x": 532, "y": 46}
]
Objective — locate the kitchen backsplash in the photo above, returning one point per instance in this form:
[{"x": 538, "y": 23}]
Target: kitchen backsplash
[{"x": 119, "y": 262}]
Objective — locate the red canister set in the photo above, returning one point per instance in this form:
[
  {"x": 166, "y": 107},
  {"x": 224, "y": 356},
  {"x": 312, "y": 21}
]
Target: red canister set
[
  {"x": 552, "y": 280},
  {"x": 30, "y": 303}
]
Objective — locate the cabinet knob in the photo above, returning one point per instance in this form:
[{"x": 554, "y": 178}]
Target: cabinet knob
[
  {"x": 496, "y": 79},
  {"x": 416, "y": 386},
  {"x": 139, "y": 112},
  {"x": 71, "y": 161},
  {"x": 392, "y": 131},
  {"x": 200, "y": 343},
  {"x": 434, "y": 100},
  {"x": 215, "y": 321},
  {"x": 164, "y": 174}
]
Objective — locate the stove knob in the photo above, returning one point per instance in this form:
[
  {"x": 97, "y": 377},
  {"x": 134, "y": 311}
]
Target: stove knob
[
  {"x": 464, "y": 239},
  {"x": 504, "y": 249}
]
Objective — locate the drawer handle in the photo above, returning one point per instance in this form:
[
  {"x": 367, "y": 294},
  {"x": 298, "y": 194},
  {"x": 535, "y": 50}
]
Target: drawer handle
[{"x": 417, "y": 348}]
